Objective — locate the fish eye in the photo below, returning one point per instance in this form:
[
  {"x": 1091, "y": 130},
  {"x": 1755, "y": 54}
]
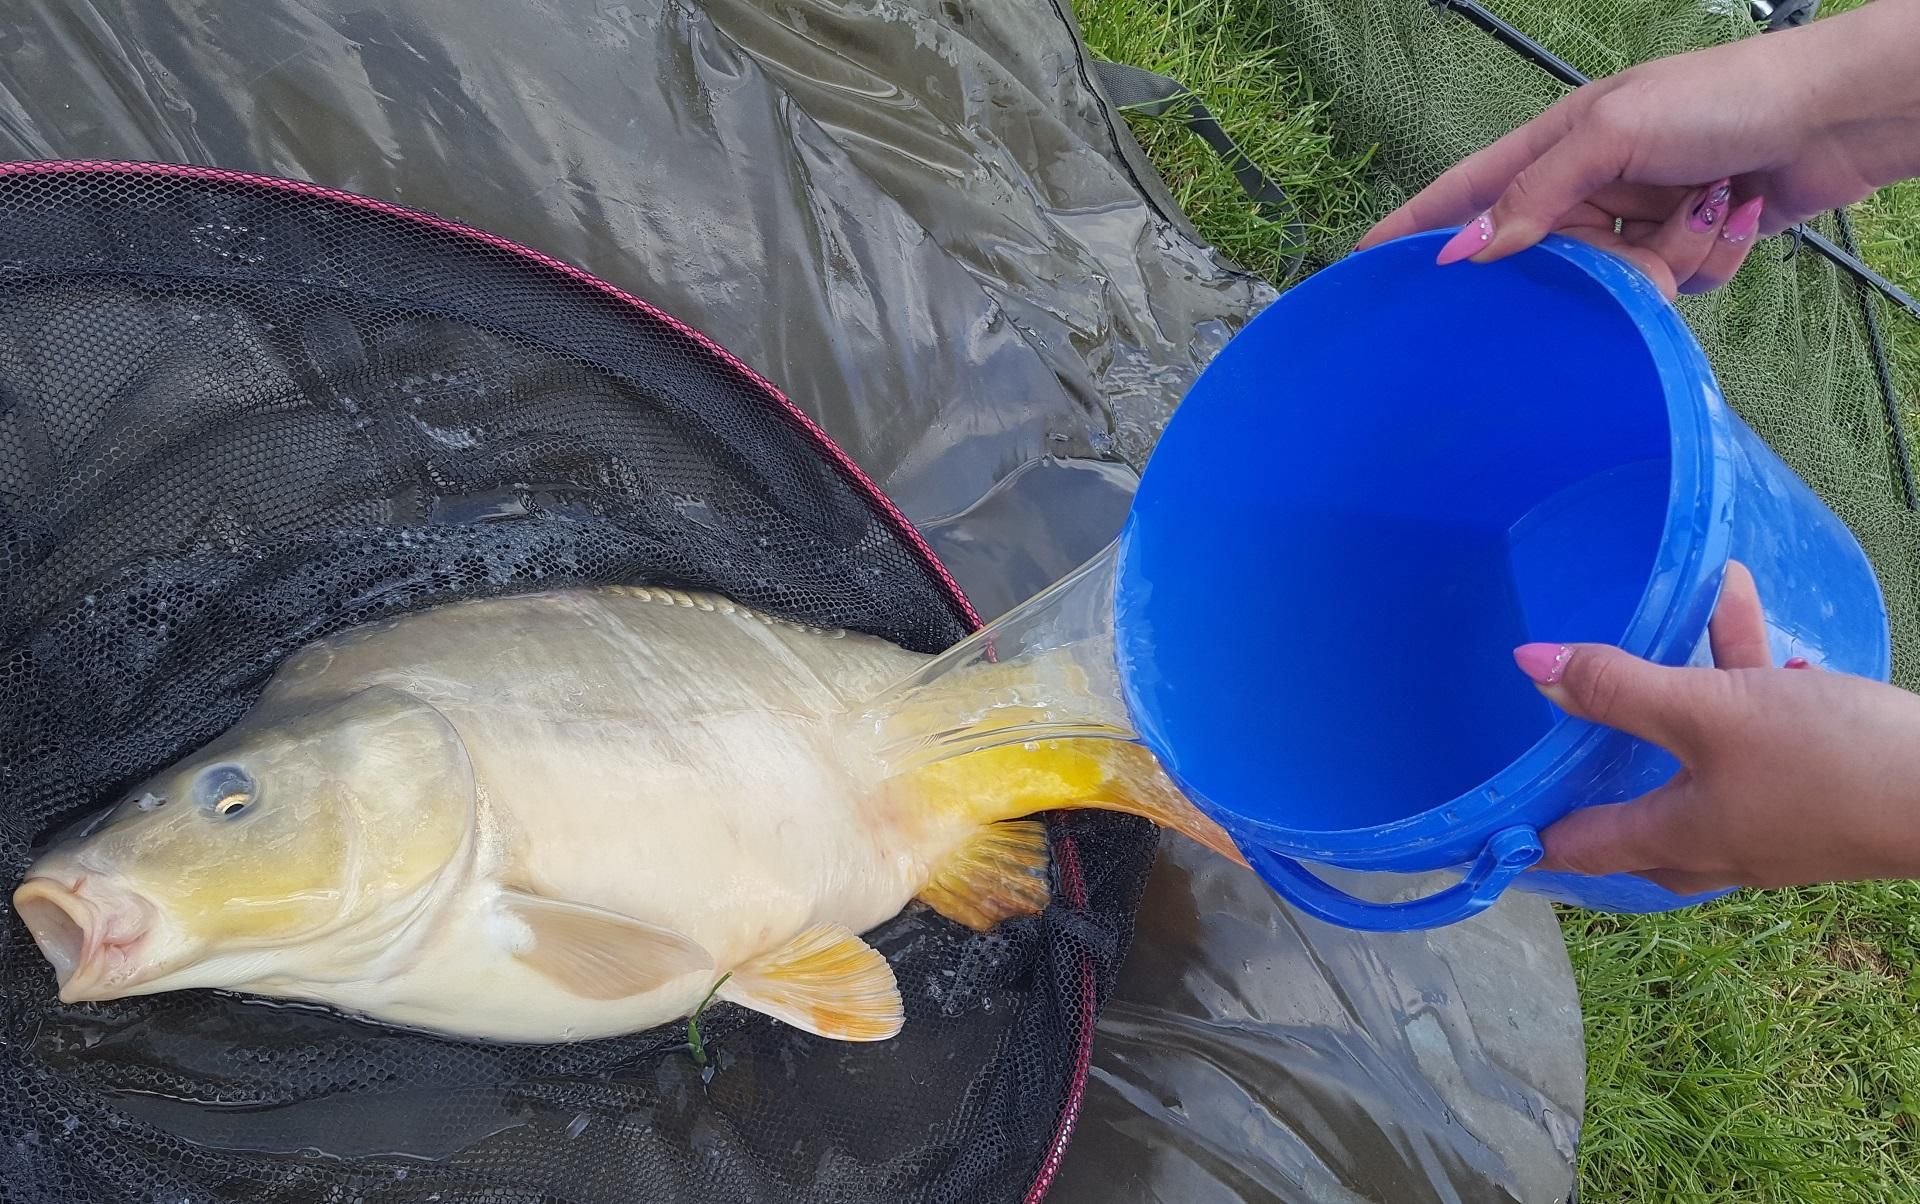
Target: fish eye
[{"x": 226, "y": 791}]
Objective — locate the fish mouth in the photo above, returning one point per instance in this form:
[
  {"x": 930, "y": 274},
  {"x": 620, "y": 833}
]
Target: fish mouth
[{"x": 91, "y": 942}]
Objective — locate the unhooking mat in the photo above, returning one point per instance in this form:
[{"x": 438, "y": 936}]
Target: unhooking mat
[{"x": 922, "y": 222}]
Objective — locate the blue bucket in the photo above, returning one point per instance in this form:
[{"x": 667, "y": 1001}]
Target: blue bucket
[{"x": 1392, "y": 477}]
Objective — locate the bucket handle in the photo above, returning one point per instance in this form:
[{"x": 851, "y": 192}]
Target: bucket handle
[{"x": 1510, "y": 852}]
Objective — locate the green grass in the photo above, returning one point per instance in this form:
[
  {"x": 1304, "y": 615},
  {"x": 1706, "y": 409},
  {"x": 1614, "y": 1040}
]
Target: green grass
[
  {"x": 1270, "y": 113},
  {"x": 1888, "y": 227},
  {"x": 1765, "y": 1049}
]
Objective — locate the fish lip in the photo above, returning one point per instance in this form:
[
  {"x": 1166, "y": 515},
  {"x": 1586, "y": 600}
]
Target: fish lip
[{"x": 92, "y": 942}]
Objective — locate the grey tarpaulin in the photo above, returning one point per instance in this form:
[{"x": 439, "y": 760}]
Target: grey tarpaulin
[{"x": 923, "y": 222}]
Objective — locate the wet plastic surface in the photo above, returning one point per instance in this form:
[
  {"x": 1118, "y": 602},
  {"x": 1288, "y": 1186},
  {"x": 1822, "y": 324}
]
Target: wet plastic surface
[{"x": 920, "y": 221}]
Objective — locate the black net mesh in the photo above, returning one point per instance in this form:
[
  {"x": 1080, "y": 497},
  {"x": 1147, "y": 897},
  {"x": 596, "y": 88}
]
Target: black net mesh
[{"x": 236, "y": 416}]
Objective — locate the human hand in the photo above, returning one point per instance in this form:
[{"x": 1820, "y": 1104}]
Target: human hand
[
  {"x": 1695, "y": 154},
  {"x": 1790, "y": 776}
]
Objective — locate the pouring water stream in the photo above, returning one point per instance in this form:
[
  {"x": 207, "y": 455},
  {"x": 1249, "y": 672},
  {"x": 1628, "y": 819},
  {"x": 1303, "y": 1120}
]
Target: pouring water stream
[{"x": 1046, "y": 670}]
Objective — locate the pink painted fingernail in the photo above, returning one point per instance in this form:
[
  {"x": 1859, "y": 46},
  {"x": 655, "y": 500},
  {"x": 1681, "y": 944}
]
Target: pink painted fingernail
[
  {"x": 1745, "y": 222},
  {"x": 1710, "y": 213},
  {"x": 1544, "y": 663},
  {"x": 1472, "y": 237},
  {"x": 1799, "y": 662}
]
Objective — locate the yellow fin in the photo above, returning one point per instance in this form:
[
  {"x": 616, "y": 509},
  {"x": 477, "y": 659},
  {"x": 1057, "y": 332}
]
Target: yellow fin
[
  {"x": 1018, "y": 780},
  {"x": 1136, "y": 785},
  {"x": 1001, "y": 872},
  {"x": 826, "y": 981},
  {"x": 600, "y": 954}
]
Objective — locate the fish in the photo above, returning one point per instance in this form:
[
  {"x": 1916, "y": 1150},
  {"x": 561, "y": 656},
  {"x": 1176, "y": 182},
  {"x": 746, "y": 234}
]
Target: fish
[{"x": 563, "y": 816}]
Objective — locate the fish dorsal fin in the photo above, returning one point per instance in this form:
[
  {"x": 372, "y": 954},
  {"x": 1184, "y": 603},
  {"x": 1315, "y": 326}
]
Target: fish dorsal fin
[
  {"x": 826, "y": 981},
  {"x": 1001, "y": 872},
  {"x": 600, "y": 954},
  {"x": 714, "y": 602}
]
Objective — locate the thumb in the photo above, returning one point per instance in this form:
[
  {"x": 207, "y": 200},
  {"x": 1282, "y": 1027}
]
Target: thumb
[{"x": 1604, "y": 685}]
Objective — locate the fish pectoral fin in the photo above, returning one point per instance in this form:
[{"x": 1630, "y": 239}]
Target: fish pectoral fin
[
  {"x": 826, "y": 981},
  {"x": 1001, "y": 872},
  {"x": 600, "y": 954}
]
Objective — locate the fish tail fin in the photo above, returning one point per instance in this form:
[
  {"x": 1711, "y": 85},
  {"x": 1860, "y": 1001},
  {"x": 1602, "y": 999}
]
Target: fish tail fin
[
  {"x": 1135, "y": 784},
  {"x": 999, "y": 869},
  {"x": 1015, "y": 781}
]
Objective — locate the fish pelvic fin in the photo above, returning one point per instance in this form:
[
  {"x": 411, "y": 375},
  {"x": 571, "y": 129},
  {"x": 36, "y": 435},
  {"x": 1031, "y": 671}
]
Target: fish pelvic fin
[
  {"x": 827, "y": 982},
  {"x": 999, "y": 873},
  {"x": 1014, "y": 781}
]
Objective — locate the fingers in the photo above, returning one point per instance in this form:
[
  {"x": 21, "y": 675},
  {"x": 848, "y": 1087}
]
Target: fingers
[
  {"x": 1537, "y": 179},
  {"x": 1609, "y": 687},
  {"x": 1620, "y": 838},
  {"x": 1639, "y": 202},
  {"x": 1590, "y": 156},
  {"x": 1681, "y": 882},
  {"x": 1738, "y": 631},
  {"x": 1642, "y": 838},
  {"x": 1674, "y": 249},
  {"x": 1730, "y": 249},
  {"x": 1472, "y": 185},
  {"x": 1651, "y": 263},
  {"x": 1689, "y": 248},
  {"x": 1683, "y": 243}
]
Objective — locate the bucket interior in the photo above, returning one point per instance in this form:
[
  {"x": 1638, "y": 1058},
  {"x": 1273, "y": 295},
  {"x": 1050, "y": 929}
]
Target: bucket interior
[{"x": 1393, "y": 477}]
